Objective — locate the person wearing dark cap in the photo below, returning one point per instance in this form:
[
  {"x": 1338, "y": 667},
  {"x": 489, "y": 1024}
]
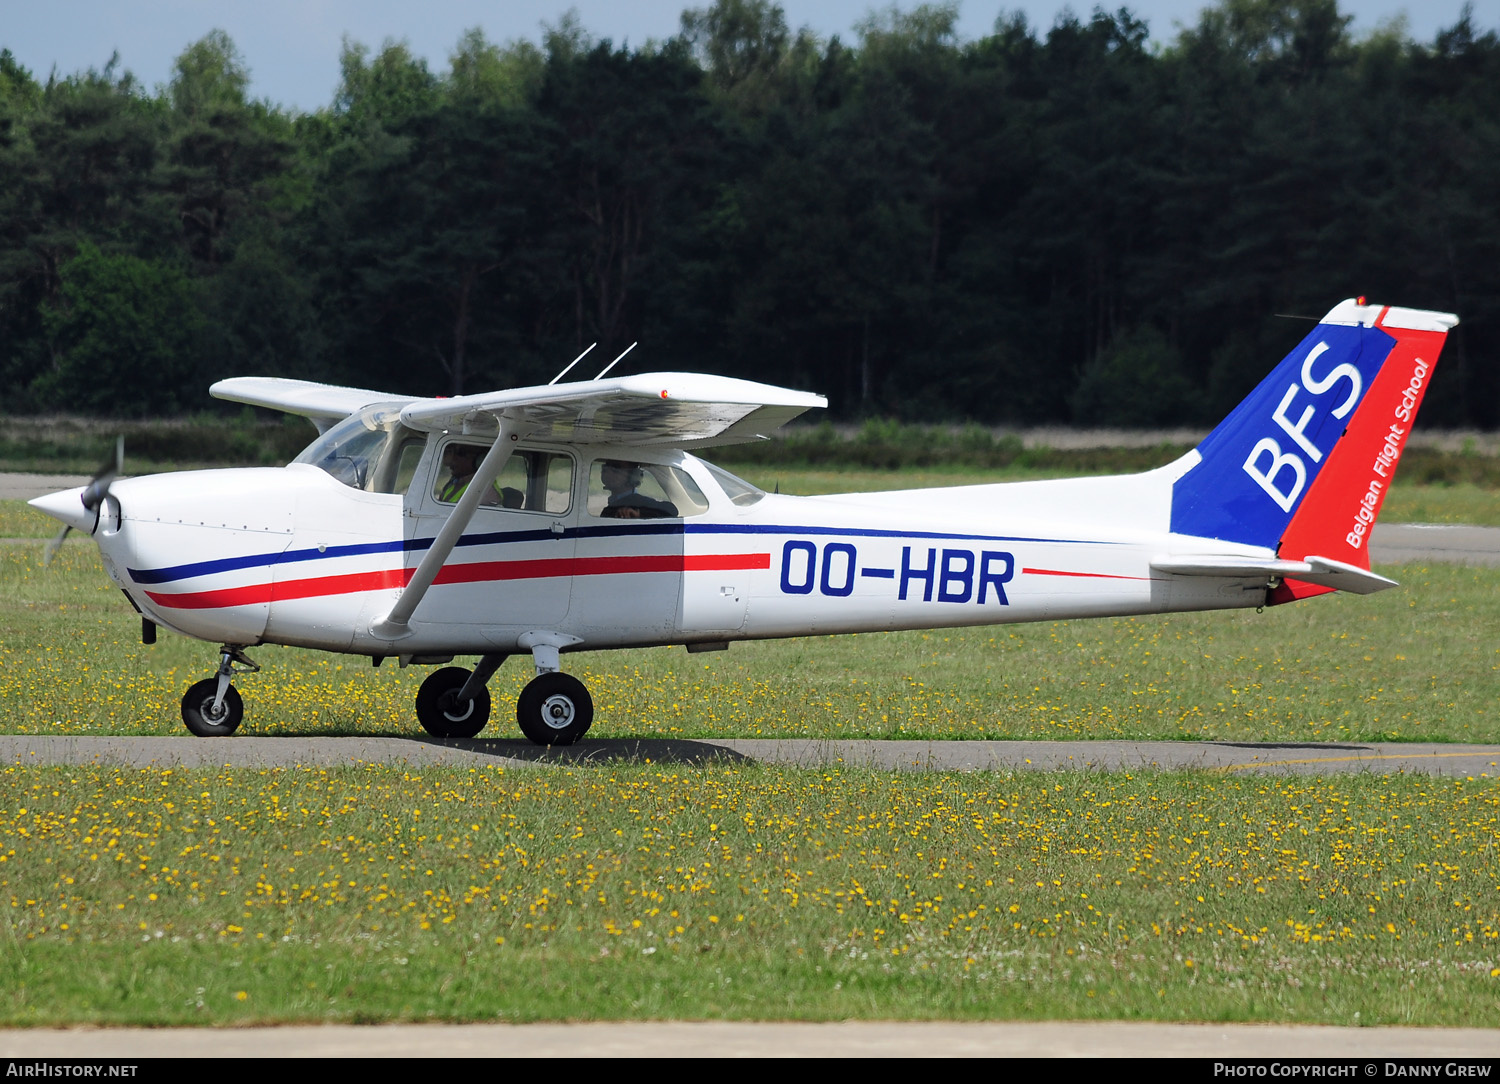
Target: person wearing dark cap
[{"x": 622, "y": 478}]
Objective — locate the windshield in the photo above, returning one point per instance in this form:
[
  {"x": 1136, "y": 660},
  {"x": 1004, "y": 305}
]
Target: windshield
[{"x": 370, "y": 450}]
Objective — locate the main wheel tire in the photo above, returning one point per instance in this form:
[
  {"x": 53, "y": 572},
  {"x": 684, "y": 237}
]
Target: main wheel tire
[
  {"x": 555, "y": 709},
  {"x": 441, "y": 715},
  {"x": 200, "y": 716}
]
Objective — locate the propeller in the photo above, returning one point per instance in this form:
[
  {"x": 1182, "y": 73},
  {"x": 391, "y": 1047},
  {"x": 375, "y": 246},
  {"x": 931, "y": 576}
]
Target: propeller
[{"x": 93, "y": 496}]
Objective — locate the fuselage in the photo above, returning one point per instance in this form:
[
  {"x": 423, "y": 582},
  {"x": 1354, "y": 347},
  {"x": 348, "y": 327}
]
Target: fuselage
[{"x": 296, "y": 555}]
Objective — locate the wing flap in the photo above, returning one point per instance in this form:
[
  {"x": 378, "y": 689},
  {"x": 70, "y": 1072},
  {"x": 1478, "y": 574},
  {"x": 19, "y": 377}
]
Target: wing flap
[{"x": 1323, "y": 571}]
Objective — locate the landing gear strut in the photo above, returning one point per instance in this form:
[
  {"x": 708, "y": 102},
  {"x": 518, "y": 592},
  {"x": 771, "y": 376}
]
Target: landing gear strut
[
  {"x": 212, "y": 708},
  {"x": 553, "y": 709}
]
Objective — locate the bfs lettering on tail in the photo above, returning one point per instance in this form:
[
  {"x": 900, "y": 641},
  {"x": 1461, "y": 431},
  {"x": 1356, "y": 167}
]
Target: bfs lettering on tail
[{"x": 1284, "y": 476}]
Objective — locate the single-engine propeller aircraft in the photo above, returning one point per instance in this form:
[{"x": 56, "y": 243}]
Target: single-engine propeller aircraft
[{"x": 575, "y": 516}]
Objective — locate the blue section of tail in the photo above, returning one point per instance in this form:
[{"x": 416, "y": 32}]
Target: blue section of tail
[{"x": 1259, "y": 463}]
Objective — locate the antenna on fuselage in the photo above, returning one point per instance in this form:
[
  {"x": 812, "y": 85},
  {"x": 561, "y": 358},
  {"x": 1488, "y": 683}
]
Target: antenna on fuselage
[
  {"x": 572, "y": 363},
  {"x": 612, "y": 364}
]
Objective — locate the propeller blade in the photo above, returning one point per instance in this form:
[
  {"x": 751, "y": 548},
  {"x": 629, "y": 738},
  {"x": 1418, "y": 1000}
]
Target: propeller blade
[
  {"x": 53, "y": 545},
  {"x": 98, "y": 488}
]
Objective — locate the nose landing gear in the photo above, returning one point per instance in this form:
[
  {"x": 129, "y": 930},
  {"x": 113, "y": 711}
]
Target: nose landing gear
[{"x": 212, "y": 708}]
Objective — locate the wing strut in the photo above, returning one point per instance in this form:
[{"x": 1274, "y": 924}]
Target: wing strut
[{"x": 396, "y": 624}]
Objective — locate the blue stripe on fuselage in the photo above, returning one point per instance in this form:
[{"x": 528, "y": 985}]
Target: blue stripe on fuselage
[{"x": 417, "y": 545}]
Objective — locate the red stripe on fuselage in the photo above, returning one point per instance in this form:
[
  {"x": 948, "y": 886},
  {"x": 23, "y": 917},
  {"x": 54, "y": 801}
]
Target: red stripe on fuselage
[
  {"x": 1086, "y": 575},
  {"x": 476, "y": 572}
]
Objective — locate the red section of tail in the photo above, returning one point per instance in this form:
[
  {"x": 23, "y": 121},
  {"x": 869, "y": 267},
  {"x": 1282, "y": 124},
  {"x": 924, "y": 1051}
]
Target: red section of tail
[{"x": 1335, "y": 517}]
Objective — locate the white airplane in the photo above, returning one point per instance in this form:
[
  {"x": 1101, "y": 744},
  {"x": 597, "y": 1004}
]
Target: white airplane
[{"x": 574, "y": 517}]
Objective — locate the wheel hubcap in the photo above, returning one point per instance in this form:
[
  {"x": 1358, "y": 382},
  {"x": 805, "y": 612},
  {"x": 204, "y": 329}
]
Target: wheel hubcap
[
  {"x": 214, "y": 713},
  {"x": 558, "y": 711},
  {"x": 452, "y": 710}
]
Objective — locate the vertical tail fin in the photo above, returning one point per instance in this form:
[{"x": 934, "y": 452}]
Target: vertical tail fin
[{"x": 1303, "y": 465}]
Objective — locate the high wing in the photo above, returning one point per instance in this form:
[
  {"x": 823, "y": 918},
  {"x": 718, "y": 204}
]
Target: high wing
[
  {"x": 322, "y": 404},
  {"x": 679, "y": 409},
  {"x": 683, "y": 410}
]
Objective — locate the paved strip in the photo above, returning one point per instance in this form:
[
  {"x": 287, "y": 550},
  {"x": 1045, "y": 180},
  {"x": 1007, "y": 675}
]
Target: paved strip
[
  {"x": 1359, "y": 1047},
  {"x": 1402, "y": 543},
  {"x": 963, "y": 756},
  {"x": 1292, "y": 758},
  {"x": 23, "y": 487}
]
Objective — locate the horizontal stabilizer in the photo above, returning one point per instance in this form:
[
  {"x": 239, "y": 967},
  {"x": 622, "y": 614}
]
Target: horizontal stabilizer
[{"x": 1323, "y": 571}]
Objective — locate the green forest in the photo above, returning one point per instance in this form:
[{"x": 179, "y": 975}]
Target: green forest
[{"x": 1065, "y": 224}]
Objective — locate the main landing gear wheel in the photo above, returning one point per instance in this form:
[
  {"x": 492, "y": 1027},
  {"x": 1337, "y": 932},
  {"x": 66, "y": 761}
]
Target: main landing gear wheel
[
  {"x": 439, "y": 711},
  {"x": 555, "y": 709},
  {"x": 203, "y": 718}
]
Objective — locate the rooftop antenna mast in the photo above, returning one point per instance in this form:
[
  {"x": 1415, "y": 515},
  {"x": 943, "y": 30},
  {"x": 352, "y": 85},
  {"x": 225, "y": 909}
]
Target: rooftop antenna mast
[
  {"x": 612, "y": 364},
  {"x": 570, "y": 365}
]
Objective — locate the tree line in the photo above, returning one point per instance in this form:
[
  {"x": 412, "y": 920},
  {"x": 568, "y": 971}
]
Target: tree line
[{"x": 1073, "y": 224}]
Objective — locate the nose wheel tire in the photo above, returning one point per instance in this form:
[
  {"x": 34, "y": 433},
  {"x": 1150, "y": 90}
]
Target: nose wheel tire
[
  {"x": 207, "y": 721},
  {"x": 555, "y": 709},
  {"x": 439, "y": 711}
]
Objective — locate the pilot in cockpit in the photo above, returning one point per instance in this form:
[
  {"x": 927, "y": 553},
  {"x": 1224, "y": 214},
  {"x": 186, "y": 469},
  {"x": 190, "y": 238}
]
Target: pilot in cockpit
[{"x": 622, "y": 478}]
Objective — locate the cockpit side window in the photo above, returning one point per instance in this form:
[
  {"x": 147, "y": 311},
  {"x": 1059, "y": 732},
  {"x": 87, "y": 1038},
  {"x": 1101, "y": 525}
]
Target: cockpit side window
[
  {"x": 625, "y": 489},
  {"x": 530, "y": 481}
]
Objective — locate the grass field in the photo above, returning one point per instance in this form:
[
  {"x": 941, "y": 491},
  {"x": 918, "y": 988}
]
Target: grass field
[
  {"x": 632, "y": 891},
  {"x": 638, "y": 892}
]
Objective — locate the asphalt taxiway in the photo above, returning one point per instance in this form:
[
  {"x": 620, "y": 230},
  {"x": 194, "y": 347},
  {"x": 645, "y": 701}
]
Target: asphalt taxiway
[
  {"x": 1358, "y": 1051},
  {"x": 1301, "y": 758}
]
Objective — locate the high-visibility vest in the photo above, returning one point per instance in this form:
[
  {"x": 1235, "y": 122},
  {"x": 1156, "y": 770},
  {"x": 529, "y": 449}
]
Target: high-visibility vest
[{"x": 453, "y": 489}]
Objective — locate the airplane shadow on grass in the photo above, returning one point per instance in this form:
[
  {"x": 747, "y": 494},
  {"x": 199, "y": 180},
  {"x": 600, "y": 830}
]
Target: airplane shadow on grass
[{"x": 639, "y": 750}]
